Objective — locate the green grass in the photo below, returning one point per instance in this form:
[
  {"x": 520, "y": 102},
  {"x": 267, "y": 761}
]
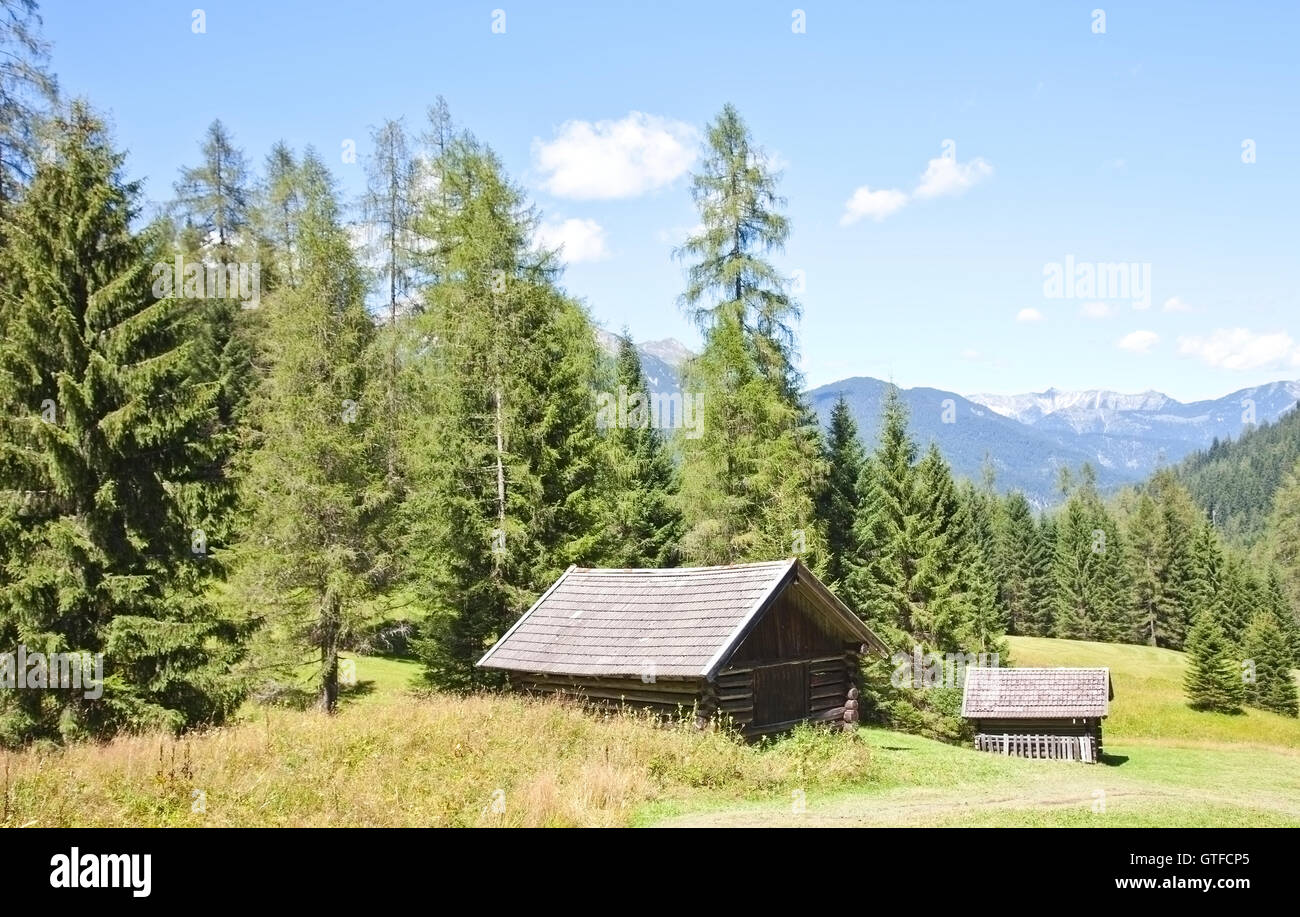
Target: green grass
[
  {"x": 396, "y": 754},
  {"x": 1166, "y": 765}
]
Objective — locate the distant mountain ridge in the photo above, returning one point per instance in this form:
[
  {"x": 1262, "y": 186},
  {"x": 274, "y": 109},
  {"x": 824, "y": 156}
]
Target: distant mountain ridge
[
  {"x": 1124, "y": 436},
  {"x": 1029, "y": 436}
]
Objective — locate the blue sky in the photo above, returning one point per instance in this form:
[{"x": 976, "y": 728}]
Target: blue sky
[{"x": 920, "y": 261}]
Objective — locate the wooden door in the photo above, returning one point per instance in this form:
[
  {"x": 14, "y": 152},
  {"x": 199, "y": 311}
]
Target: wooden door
[{"x": 780, "y": 693}]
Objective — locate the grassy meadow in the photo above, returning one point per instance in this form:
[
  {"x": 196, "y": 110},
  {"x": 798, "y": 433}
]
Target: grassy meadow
[{"x": 395, "y": 755}]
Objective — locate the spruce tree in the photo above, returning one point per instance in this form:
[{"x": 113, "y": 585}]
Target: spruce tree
[
  {"x": 642, "y": 523},
  {"x": 1019, "y": 554},
  {"x": 1214, "y": 678},
  {"x": 1092, "y": 600},
  {"x": 838, "y": 505},
  {"x": 111, "y": 427},
  {"x": 890, "y": 521},
  {"x": 1268, "y": 655},
  {"x": 312, "y": 552}
]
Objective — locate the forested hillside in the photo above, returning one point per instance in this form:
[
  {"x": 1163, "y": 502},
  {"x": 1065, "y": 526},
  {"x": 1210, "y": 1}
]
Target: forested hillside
[{"x": 1236, "y": 480}]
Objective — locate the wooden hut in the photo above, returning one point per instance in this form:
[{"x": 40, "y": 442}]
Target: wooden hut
[
  {"x": 765, "y": 644},
  {"x": 1038, "y": 713}
]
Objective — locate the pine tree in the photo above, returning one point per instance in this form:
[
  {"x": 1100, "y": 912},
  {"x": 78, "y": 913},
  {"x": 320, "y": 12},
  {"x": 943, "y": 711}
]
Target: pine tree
[
  {"x": 839, "y": 498},
  {"x": 504, "y": 457},
  {"x": 112, "y": 427},
  {"x": 750, "y": 481},
  {"x": 213, "y": 199},
  {"x": 312, "y": 551},
  {"x": 642, "y": 524}
]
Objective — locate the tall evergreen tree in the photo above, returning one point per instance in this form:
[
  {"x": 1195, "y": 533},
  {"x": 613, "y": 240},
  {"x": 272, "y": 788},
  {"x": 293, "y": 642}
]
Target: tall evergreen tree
[
  {"x": 1092, "y": 598},
  {"x": 104, "y": 559},
  {"x": 838, "y": 505},
  {"x": 503, "y": 451},
  {"x": 389, "y": 205},
  {"x": 1284, "y": 536},
  {"x": 890, "y": 521},
  {"x": 750, "y": 481},
  {"x": 276, "y": 216},
  {"x": 642, "y": 525},
  {"x": 312, "y": 552},
  {"x": 215, "y": 244},
  {"x": 1020, "y": 561},
  {"x": 1268, "y": 655},
  {"x": 1214, "y": 679}
]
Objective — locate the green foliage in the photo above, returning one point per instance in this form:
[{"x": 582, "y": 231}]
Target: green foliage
[
  {"x": 104, "y": 423},
  {"x": 1267, "y": 651},
  {"x": 751, "y": 479},
  {"x": 642, "y": 521},
  {"x": 920, "y": 570},
  {"x": 1023, "y": 567},
  {"x": 1092, "y": 599},
  {"x": 1234, "y": 482},
  {"x": 504, "y": 460},
  {"x": 838, "y": 505},
  {"x": 1213, "y": 680},
  {"x": 314, "y": 491}
]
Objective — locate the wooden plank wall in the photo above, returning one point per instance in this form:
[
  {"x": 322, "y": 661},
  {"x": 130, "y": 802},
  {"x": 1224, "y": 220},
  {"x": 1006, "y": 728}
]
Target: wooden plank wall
[{"x": 666, "y": 696}]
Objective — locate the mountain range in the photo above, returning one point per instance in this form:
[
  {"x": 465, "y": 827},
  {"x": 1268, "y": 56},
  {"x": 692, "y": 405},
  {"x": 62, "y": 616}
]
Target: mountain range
[{"x": 1028, "y": 437}]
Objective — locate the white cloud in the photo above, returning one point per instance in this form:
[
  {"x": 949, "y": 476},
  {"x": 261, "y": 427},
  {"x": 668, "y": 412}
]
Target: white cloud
[
  {"x": 579, "y": 240},
  {"x": 875, "y": 205},
  {"x": 1241, "y": 348},
  {"x": 1029, "y": 315},
  {"x": 1097, "y": 310},
  {"x": 945, "y": 176},
  {"x": 615, "y": 159},
  {"x": 1138, "y": 341},
  {"x": 1174, "y": 304}
]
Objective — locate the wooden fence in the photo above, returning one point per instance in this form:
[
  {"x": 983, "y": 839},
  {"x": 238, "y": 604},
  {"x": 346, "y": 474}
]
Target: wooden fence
[{"x": 1070, "y": 748}]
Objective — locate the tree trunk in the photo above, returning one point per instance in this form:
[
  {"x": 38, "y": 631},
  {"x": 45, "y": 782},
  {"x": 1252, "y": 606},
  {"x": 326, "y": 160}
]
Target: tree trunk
[{"x": 329, "y": 653}]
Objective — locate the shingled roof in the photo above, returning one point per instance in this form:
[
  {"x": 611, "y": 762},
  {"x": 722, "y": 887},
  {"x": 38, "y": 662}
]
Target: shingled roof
[
  {"x": 682, "y": 621},
  {"x": 995, "y": 693}
]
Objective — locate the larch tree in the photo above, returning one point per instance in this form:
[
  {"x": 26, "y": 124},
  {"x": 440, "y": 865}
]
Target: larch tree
[
  {"x": 503, "y": 453},
  {"x": 750, "y": 481},
  {"x": 312, "y": 551},
  {"x": 389, "y": 207},
  {"x": 27, "y": 91}
]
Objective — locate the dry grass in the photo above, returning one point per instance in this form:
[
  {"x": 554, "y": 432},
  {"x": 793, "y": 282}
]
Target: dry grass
[{"x": 417, "y": 761}]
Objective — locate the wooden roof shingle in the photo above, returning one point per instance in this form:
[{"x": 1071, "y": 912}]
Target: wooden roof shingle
[
  {"x": 677, "y": 622},
  {"x": 997, "y": 693}
]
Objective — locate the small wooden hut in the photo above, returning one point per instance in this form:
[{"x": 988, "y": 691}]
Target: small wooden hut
[
  {"x": 1038, "y": 713},
  {"x": 764, "y": 644}
]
